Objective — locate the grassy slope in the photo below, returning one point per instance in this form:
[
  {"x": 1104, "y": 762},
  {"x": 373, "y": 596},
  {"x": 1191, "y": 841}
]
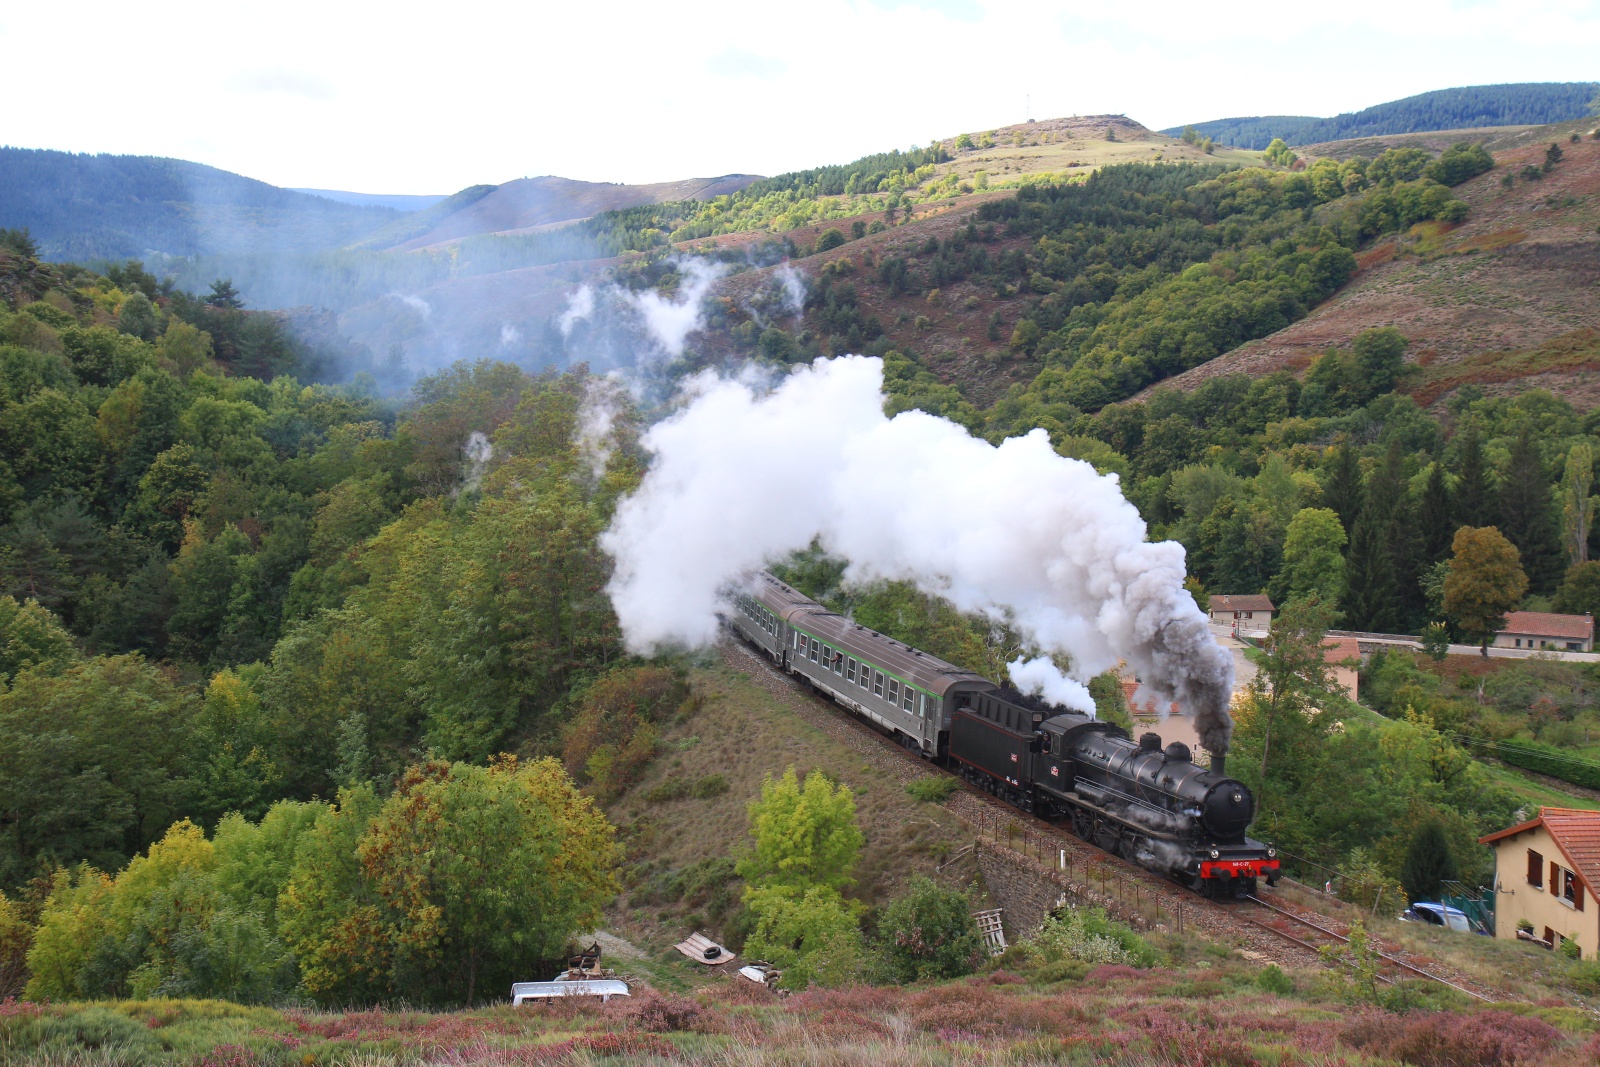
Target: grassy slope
[
  {"x": 1504, "y": 301},
  {"x": 745, "y": 731}
]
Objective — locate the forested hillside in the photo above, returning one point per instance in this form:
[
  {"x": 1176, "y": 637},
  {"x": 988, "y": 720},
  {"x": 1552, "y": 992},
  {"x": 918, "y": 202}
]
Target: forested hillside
[
  {"x": 114, "y": 207},
  {"x": 1084, "y": 292},
  {"x": 1520, "y": 104}
]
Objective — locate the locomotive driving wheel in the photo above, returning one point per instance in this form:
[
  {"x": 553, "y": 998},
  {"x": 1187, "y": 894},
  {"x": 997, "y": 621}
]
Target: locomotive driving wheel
[{"x": 1082, "y": 824}]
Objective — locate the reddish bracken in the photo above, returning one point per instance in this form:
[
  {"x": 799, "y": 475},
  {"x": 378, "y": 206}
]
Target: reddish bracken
[
  {"x": 1447, "y": 1039},
  {"x": 228, "y": 1056},
  {"x": 665, "y": 1014},
  {"x": 12, "y": 1008},
  {"x": 1111, "y": 972}
]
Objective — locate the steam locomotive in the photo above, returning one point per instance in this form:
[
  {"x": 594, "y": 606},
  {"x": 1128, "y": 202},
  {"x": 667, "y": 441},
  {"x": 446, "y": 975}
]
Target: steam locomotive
[{"x": 1152, "y": 805}]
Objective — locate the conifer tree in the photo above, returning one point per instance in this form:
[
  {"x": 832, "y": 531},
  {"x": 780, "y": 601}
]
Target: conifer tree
[
  {"x": 1475, "y": 496},
  {"x": 1428, "y": 863},
  {"x": 1436, "y": 517},
  {"x": 1382, "y": 558},
  {"x": 1527, "y": 517},
  {"x": 1343, "y": 492}
]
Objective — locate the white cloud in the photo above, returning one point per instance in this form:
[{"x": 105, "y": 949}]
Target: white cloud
[
  {"x": 739, "y": 63},
  {"x": 414, "y": 103},
  {"x": 281, "y": 81}
]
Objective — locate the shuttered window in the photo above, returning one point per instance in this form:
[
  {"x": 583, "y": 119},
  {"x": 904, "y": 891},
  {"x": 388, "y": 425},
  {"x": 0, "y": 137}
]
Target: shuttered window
[{"x": 1535, "y": 869}]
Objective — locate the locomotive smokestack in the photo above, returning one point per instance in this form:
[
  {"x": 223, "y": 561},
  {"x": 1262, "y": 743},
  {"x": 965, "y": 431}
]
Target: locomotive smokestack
[{"x": 1219, "y": 762}]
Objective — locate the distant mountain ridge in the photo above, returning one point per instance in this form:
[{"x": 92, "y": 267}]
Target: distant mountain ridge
[
  {"x": 1512, "y": 104},
  {"x": 398, "y": 201},
  {"x": 86, "y": 207},
  {"x": 527, "y": 204},
  {"x": 116, "y": 207}
]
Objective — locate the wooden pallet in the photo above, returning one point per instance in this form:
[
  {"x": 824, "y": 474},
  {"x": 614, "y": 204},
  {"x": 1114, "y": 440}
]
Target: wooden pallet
[{"x": 994, "y": 935}]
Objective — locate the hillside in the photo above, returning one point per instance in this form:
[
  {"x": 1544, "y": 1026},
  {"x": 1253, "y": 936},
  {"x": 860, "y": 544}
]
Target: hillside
[
  {"x": 1505, "y": 300},
  {"x": 116, "y": 207},
  {"x": 524, "y": 205},
  {"x": 1517, "y": 104},
  {"x": 398, "y": 201}
]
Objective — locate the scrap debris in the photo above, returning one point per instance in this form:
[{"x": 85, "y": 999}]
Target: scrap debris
[{"x": 702, "y": 949}]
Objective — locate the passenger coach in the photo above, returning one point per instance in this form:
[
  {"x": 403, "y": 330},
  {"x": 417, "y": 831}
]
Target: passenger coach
[{"x": 904, "y": 690}]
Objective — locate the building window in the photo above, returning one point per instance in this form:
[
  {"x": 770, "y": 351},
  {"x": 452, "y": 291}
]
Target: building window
[
  {"x": 1535, "y": 869},
  {"x": 1574, "y": 646},
  {"x": 1249, "y": 614},
  {"x": 877, "y": 683}
]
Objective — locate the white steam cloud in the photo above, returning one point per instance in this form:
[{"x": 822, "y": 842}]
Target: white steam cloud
[
  {"x": 1014, "y": 531},
  {"x": 509, "y": 335},
  {"x": 580, "y": 305},
  {"x": 1041, "y": 678},
  {"x": 668, "y": 321}
]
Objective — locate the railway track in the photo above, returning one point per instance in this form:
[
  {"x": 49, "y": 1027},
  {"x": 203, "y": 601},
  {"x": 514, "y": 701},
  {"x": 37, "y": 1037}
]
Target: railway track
[{"x": 1265, "y": 931}]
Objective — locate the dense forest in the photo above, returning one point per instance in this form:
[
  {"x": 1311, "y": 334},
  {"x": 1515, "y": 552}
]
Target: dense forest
[{"x": 1521, "y": 104}]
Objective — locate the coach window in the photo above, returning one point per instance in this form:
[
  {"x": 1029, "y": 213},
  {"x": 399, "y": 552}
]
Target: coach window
[
  {"x": 850, "y": 669},
  {"x": 909, "y": 700},
  {"x": 865, "y": 681},
  {"x": 894, "y": 691},
  {"x": 816, "y": 646},
  {"x": 877, "y": 682},
  {"x": 838, "y": 662}
]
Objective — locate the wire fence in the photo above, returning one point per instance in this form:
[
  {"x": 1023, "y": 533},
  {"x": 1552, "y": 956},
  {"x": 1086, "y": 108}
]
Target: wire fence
[{"x": 1091, "y": 882}]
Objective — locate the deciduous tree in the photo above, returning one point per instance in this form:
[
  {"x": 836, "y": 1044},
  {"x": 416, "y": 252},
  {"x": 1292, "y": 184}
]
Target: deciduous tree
[{"x": 1485, "y": 582}]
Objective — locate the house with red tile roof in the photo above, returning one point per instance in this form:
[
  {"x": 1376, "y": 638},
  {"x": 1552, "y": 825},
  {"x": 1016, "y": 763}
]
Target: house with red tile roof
[
  {"x": 1251, "y": 611},
  {"x": 1546, "y": 871},
  {"x": 1546, "y": 630}
]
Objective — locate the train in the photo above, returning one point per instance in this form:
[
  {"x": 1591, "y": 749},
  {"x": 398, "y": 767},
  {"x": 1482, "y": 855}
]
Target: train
[{"x": 1148, "y": 803}]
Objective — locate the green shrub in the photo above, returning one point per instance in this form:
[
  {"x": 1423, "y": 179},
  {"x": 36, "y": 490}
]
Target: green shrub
[
  {"x": 1090, "y": 936},
  {"x": 672, "y": 787},
  {"x": 1273, "y": 980},
  {"x": 933, "y": 790},
  {"x": 712, "y": 785},
  {"x": 929, "y": 933}
]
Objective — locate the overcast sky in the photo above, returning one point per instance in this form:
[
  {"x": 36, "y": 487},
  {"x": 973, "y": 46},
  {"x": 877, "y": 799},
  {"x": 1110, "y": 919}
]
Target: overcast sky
[{"x": 429, "y": 98}]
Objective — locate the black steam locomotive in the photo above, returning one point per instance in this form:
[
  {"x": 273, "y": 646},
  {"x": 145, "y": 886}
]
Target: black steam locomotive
[{"x": 1151, "y": 805}]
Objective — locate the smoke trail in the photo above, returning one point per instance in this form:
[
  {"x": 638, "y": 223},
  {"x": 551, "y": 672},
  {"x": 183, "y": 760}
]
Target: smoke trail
[
  {"x": 603, "y": 400},
  {"x": 667, "y": 321},
  {"x": 477, "y": 452},
  {"x": 794, "y": 288},
  {"x": 1012, "y": 531}
]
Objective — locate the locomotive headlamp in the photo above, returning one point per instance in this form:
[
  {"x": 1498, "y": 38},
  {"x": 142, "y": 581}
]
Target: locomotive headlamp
[
  {"x": 1215, "y": 853},
  {"x": 1271, "y": 852}
]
